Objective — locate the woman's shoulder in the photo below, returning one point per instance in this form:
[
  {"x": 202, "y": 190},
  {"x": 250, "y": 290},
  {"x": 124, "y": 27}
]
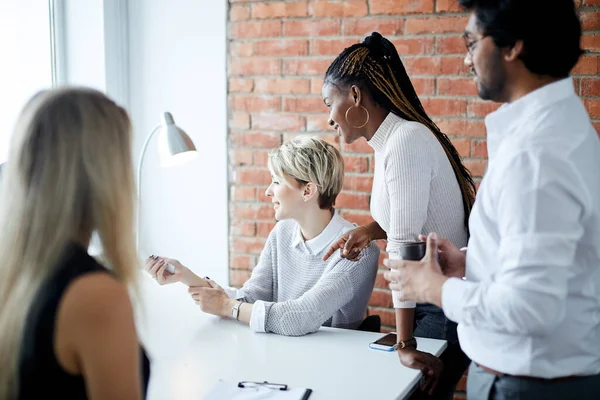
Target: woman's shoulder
[{"x": 409, "y": 133}]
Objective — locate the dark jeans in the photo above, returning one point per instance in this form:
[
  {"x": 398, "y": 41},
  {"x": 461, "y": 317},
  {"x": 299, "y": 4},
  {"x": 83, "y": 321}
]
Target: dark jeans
[
  {"x": 482, "y": 385},
  {"x": 430, "y": 322}
]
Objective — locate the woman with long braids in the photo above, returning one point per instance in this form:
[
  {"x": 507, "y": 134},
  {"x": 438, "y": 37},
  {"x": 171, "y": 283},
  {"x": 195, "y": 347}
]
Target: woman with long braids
[{"x": 420, "y": 186}]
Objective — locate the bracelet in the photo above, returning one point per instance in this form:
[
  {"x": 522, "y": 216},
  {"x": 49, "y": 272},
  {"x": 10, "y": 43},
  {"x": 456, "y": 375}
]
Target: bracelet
[{"x": 402, "y": 344}]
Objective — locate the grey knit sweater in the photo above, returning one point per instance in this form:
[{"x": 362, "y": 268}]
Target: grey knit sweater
[{"x": 294, "y": 292}]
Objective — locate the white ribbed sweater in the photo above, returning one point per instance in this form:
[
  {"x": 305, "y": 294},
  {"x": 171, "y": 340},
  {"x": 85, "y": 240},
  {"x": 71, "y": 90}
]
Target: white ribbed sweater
[{"x": 415, "y": 190}]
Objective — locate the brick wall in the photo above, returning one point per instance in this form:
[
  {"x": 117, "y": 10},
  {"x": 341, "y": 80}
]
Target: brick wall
[{"x": 278, "y": 52}]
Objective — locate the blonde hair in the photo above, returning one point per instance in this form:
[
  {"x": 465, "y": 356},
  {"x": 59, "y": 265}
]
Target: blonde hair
[
  {"x": 310, "y": 159},
  {"x": 69, "y": 174}
]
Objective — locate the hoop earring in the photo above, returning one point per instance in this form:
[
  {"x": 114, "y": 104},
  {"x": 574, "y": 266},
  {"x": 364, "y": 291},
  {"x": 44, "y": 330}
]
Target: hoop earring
[{"x": 357, "y": 127}]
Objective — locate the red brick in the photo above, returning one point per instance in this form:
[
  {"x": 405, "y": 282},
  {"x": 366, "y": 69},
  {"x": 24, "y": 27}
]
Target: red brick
[
  {"x": 261, "y": 159},
  {"x": 281, "y": 86},
  {"x": 590, "y": 87},
  {"x": 303, "y": 105},
  {"x": 260, "y": 140},
  {"x": 354, "y": 201},
  {"x": 243, "y": 228},
  {"x": 239, "y": 120},
  {"x": 264, "y": 228},
  {"x": 237, "y": 277},
  {"x": 253, "y": 176},
  {"x": 359, "y": 146},
  {"x": 395, "y": 7},
  {"x": 356, "y": 164},
  {"x": 590, "y": 20},
  {"x": 591, "y": 2},
  {"x": 242, "y": 262},
  {"x": 239, "y": 13},
  {"x": 255, "y": 103},
  {"x": 240, "y": 85},
  {"x": 381, "y": 298},
  {"x": 333, "y": 47},
  {"x": 424, "y": 86},
  {"x": 252, "y": 210},
  {"x": 307, "y": 66},
  {"x": 593, "y": 107},
  {"x": 317, "y": 123},
  {"x": 347, "y": 8},
  {"x": 280, "y": 10},
  {"x": 478, "y": 108},
  {"x": 241, "y": 157},
  {"x": 413, "y": 46},
  {"x": 311, "y": 28},
  {"x": 380, "y": 281},
  {"x": 476, "y": 167},
  {"x": 588, "y": 65},
  {"x": 479, "y": 149},
  {"x": 456, "y": 87},
  {"x": 278, "y": 122},
  {"x": 447, "y": 6},
  {"x": 444, "y": 107},
  {"x": 281, "y": 47},
  {"x": 591, "y": 42},
  {"x": 243, "y": 193},
  {"x": 435, "y": 25},
  {"x": 451, "y": 45},
  {"x": 358, "y": 183},
  {"x": 241, "y": 49},
  {"x": 461, "y": 127},
  {"x": 357, "y": 217},
  {"x": 364, "y": 26},
  {"x": 423, "y": 65},
  {"x": 255, "y": 66},
  {"x": 453, "y": 66},
  {"x": 316, "y": 85},
  {"x": 254, "y": 29},
  {"x": 462, "y": 146}
]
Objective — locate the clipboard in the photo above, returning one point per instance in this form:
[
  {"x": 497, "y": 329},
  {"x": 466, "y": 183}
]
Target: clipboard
[{"x": 247, "y": 390}]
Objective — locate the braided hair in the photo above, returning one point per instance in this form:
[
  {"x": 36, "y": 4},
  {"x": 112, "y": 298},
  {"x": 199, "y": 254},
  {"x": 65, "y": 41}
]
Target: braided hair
[{"x": 375, "y": 65}]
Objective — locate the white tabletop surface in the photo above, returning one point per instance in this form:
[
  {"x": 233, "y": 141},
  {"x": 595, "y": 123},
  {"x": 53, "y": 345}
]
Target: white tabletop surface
[{"x": 191, "y": 350}]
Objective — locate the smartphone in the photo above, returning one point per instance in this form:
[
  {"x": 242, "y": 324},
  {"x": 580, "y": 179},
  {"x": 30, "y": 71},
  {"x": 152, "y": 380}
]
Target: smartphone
[{"x": 385, "y": 343}]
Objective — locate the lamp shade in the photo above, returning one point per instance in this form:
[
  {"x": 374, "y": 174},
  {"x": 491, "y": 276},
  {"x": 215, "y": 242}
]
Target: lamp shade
[{"x": 175, "y": 146}]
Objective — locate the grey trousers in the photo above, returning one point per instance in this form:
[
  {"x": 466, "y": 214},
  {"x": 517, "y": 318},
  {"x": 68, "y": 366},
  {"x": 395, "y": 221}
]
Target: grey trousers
[{"x": 482, "y": 385}]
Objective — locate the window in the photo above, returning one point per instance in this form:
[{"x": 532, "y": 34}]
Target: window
[{"x": 26, "y": 66}]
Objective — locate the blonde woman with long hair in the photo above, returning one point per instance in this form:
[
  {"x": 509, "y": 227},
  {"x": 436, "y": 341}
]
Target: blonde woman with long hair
[{"x": 67, "y": 322}]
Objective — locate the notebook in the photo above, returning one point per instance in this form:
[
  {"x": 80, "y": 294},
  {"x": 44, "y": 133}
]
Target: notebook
[{"x": 230, "y": 391}]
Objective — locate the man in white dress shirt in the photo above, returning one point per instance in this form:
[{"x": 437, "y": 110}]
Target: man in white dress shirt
[{"x": 526, "y": 293}]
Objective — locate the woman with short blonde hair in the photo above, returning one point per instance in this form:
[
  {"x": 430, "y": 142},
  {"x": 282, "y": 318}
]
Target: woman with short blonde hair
[
  {"x": 67, "y": 321},
  {"x": 292, "y": 291}
]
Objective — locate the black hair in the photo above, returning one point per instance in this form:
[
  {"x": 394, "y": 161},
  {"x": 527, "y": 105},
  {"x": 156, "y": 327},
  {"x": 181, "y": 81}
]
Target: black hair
[
  {"x": 550, "y": 31},
  {"x": 375, "y": 66}
]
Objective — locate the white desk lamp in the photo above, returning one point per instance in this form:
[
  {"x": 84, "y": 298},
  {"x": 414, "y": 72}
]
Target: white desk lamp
[{"x": 175, "y": 147}]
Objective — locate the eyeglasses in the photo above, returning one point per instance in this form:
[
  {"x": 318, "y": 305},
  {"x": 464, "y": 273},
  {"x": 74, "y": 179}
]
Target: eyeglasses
[
  {"x": 274, "y": 386},
  {"x": 470, "y": 42}
]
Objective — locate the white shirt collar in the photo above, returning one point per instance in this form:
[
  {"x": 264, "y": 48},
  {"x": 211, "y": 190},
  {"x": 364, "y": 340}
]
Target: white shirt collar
[
  {"x": 332, "y": 231},
  {"x": 380, "y": 137},
  {"x": 503, "y": 122}
]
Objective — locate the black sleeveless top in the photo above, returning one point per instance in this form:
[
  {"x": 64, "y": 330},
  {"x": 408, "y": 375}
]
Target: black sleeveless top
[{"x": 40, "y": 374}]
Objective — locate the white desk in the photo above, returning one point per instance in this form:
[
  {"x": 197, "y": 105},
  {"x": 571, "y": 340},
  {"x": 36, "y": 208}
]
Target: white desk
[{"x": 190, "y": 351}]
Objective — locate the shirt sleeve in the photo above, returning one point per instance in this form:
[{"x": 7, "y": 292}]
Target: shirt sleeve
[
  {"x": 540, "y": 203},
  {"x": 409, "y": 167},
  {"x": 307, "y": 313},
  {"x": 260, "y": 284}
]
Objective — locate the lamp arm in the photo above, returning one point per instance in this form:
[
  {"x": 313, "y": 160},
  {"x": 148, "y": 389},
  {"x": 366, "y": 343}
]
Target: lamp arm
[{"x": 139, "y": 186}]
